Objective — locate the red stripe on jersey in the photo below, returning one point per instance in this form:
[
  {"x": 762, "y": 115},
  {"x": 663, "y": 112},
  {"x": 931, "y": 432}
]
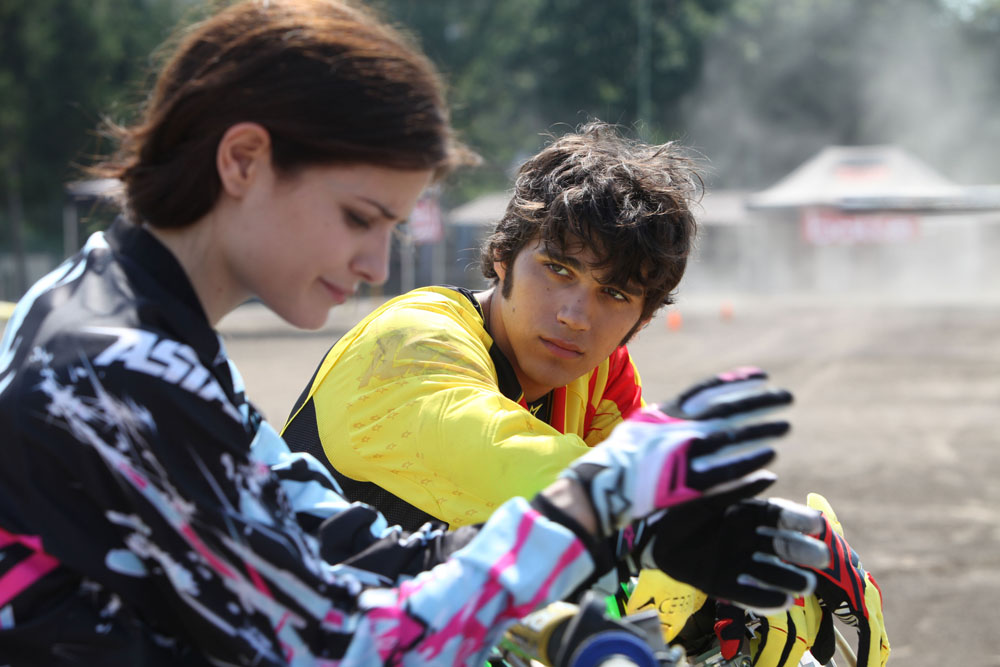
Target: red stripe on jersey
[
  {"x": 558, "y": 420},
  {"x": 623, "y": 385},
  {"x": 588, "y": 417}
]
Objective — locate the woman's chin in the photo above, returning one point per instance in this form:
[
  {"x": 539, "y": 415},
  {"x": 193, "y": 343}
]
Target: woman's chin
[{"x": 309, "y": 319}]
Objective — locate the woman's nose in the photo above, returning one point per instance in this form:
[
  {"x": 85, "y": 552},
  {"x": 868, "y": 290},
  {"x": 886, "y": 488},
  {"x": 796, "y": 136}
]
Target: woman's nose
[{"x": 371, "y": 261}]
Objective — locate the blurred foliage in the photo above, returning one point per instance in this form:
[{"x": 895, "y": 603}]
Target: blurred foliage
[
  {"x": 520, "y": 68},
  {"x": 64, "y": 63},
  {"x": 757, "y": 85}
]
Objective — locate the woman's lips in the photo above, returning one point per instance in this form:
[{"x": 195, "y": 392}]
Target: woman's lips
[{"x": 339, "y": 295}]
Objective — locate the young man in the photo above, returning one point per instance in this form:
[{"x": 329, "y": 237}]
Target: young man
[{"x": 444, "y": 403}]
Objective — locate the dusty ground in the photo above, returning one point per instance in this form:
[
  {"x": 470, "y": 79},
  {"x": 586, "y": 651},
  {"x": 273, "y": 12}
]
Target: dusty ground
[{"x": 897, "y": 422}]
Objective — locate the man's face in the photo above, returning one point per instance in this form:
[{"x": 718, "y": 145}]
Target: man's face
[{"x": 559, "y": 320}]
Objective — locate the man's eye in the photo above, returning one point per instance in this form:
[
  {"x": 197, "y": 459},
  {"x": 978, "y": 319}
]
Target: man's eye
[
  {"x": 615, "y": 294},
  {"x": 557, "y": 269}
]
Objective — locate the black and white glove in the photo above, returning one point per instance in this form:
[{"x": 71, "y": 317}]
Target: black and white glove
[
  {"x": 684, "y": 451},
  {"x": 744, "y": 552}
]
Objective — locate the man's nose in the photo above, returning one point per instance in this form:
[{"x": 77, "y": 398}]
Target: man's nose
[{"x": 576, "y": 311}]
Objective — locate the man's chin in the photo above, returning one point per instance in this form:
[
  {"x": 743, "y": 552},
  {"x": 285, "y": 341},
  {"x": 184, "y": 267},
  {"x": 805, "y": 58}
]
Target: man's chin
[{"x": 547, "y": 379}]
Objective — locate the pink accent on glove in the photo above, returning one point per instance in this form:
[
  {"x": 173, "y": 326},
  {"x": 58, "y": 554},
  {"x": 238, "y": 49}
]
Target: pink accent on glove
[
  {"x": 741, "y": 373},
  {"x": 671, "y": 488},
  {"x": 653, "y": 415}
]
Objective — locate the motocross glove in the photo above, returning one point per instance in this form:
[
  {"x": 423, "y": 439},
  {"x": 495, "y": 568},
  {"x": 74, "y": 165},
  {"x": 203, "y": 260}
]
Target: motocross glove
[
  {"x": 845, "y": 589},
  {"x": 746, "y": 552},
  {"x": 691, "y": 448},
  {"x": 780, "y": 640}
]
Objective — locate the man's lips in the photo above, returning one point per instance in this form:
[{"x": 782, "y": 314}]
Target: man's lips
[{"x": 562, "y": 348}]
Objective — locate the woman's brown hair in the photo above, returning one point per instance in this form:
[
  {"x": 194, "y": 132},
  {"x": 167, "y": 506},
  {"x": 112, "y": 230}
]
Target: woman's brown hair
[{"x": 329, "y": 81}]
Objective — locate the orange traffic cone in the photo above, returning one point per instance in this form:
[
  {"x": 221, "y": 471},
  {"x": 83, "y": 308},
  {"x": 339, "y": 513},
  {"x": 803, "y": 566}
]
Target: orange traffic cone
[{"x": 726, "y": 311}]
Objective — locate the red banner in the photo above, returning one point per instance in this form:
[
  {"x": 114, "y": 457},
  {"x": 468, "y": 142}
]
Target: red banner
[
  {"x": 425, "y": 223},
  {"x": 825, "y": 226}
]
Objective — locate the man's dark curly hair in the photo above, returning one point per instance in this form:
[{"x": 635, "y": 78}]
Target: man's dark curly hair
[{"x": 627, "y": 201}]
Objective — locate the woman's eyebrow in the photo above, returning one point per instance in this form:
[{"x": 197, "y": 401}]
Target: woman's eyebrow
[{"x": 386, "y": 213}]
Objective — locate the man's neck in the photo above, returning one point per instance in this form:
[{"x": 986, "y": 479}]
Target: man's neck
[{"x": 491, "y": 301}]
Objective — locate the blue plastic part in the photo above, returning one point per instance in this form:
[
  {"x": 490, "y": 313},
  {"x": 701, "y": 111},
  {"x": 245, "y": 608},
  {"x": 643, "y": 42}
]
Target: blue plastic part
[{"x": 606, "y": 644}]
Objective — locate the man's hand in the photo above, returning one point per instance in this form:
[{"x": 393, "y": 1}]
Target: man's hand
[
  {"x": 691, "y": 448},
  {"x": 849, "y": 592},
  {"x": 746, "y": 553},
  {"x": 781, "y": 639},
  {"x": 727, "y": 398}
]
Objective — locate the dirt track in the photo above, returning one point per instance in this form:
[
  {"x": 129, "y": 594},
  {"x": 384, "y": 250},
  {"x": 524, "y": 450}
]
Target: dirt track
[{"x": 897, "y": 422}]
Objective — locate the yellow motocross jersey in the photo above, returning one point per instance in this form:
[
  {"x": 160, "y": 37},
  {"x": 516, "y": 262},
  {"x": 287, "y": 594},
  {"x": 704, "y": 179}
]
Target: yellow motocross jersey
[{"x": 420, "y": 414}]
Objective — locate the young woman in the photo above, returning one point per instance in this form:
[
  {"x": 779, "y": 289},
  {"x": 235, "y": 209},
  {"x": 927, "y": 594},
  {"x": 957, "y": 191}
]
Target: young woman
[{"x": 148, "y": 515}]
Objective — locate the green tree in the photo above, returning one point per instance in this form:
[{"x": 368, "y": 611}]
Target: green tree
[
  {"x": 520, "y": 67},
  {"x": 62, "y": 64}
]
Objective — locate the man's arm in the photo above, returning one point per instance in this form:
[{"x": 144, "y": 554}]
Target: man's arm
[
  {"x": 410, "y": 402},
  {"x": 352, "y": 534}
]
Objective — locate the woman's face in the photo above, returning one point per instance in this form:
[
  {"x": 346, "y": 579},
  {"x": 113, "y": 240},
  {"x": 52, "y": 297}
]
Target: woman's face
[{"x": 303, "y": 243}]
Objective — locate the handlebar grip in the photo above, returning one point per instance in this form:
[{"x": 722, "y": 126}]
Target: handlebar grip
[
  {"x": 567, "y": 635},
  {"x": 613, "y": 648},
  {"x": 537, "y": 636}
]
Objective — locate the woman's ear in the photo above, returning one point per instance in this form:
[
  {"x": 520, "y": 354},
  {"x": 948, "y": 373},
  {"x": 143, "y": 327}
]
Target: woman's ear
[{"x": 244, "y": 152}]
